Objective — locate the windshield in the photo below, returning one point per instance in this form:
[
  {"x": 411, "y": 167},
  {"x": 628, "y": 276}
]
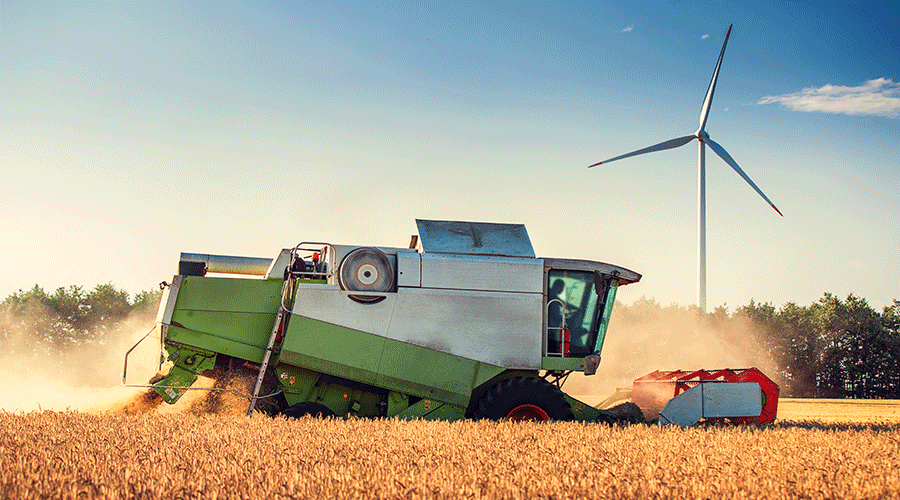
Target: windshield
[{"x": 571, "y": 295}]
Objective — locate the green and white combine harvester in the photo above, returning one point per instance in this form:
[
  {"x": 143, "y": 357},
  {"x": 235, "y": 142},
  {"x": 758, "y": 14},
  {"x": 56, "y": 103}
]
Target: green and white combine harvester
[{"x": 464, "y": 323}]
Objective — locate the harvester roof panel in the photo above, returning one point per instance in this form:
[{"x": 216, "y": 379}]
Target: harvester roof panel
[{"x": 474, "y": 238}]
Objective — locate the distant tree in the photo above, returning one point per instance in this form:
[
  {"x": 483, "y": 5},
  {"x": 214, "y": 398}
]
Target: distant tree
[
  {"x": 68, "y": 317},
  {"x": 146, "y": 302},
  {"x": 719, "y": 318},
  {"x": 763, "y": 336},
  {"x": 800, "y": 348},
  {"x": 26, "y": 322},
  {"x": 862, "y": 356},
  {"x": 891, "y": 318}
]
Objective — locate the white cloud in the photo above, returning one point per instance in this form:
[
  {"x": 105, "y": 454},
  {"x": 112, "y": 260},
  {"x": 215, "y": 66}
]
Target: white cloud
[
  {"x": 627, "y": 28},
  {"x": 704, "y": 37},
  {"x": 879, "y": 97}
]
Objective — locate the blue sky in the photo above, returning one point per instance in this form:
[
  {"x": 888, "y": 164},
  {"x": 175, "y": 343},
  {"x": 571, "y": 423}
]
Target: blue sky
[{"x": 132, "y": 131}]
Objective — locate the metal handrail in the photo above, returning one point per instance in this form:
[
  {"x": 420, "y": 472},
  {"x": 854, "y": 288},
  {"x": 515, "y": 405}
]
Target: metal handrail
[
  {"x": 562, "y": 326},
  {"x": 325, "y": 246}
]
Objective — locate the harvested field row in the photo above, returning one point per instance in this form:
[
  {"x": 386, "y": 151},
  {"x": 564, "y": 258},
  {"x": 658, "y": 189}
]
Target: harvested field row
[{"x": 76, "y": 455}]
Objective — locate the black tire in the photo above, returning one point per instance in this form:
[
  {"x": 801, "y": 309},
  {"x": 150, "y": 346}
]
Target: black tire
[
  {"x": 524, "y": 398},
  {"x": 315, "y": 410}
]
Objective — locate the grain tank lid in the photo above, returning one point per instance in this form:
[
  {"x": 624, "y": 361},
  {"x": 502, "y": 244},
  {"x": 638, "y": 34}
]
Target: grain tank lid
[{"x": 474, "y": 238}]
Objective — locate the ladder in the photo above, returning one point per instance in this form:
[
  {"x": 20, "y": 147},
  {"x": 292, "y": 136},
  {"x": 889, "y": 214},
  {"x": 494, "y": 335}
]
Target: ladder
[{"x": 277, "y": 329}]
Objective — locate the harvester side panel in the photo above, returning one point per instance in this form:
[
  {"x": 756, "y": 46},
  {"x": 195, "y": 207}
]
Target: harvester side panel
[
  {"x": 430, "y": 374},
  {"x": 475, "y": 272},
  {"x": 332, "y": 349},
  {"x": 502, "y": 329},
  {"x": 230, "y": 294},
  {"x": 330, "y": 304},
  {"x": 375, "y": 360},
  {"x": 228, "y": 316}
]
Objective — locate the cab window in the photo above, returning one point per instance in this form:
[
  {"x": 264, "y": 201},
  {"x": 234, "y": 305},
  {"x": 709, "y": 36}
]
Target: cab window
[{"x": 571, "y": 297}]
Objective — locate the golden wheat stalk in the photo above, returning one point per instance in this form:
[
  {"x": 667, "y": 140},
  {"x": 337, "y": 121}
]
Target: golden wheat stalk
[{"x": 75, "y": 455}]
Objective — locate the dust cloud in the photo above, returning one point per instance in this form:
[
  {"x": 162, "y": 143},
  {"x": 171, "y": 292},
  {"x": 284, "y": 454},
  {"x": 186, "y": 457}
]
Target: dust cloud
[
  {"x": 85, "y": 377},
  {"x": 645, "y": 337},
  {"x": 88, "y": 378}
]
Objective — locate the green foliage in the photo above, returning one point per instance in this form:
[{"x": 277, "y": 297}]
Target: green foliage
[
  {"x": 831, "y": 348},
  {"x": 68, "y": 317}
]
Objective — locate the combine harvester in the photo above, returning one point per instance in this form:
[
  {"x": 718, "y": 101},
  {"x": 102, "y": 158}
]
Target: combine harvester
[{"x": 464, "y": 323}]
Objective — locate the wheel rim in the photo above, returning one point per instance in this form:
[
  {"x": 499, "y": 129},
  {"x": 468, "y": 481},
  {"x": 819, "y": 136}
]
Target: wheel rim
[{"x": 527, "y": 412}]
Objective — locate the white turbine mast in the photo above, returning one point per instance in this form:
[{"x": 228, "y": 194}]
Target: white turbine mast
[{"x": 704, "y": 140}]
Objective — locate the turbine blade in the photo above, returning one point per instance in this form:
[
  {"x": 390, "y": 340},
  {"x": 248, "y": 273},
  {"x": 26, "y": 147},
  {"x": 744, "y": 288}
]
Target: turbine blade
[
  {"x": 730, "y": 161},
  {"x": 674, "y": 143},
  {"x": 707, "y": 103}
]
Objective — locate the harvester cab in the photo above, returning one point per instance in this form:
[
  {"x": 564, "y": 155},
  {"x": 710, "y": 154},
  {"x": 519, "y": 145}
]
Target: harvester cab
[{"x": 466, "y": 322}]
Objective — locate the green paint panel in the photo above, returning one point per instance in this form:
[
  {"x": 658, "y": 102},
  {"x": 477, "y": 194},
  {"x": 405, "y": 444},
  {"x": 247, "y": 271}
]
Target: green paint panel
[
  {"x": 427, "y": 373},
  {"x": 229, "y": 294},
  {"x": 382, "y": 362},
  {"x": 232, "y": 316},
  {"x": 430, "y": 409},
  {"x": 446, "y": 412},
  {"x": 555, "y": 363},
  {"x": 297, "y": 383},
  {"x": 485, "y": 373},
  {"x": 332, "y": 349},
  {"x": 242, "y": 335},
  {"x": 300, "y": 385},
  {"x": 397, "y": 402},
  {"x": 583, "y": 411},
  {"x": 177, "y": 377}
]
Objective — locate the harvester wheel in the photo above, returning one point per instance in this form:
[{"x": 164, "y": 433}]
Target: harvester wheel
[
  {"x": 315, "y": 410},
  {"x": 524, "y": 398}
]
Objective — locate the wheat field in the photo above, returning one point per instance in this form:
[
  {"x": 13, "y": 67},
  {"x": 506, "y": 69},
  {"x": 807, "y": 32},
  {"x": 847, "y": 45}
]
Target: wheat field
[
  {"x": 840, "y": 410},
  {"x": 185, "y": 455}
]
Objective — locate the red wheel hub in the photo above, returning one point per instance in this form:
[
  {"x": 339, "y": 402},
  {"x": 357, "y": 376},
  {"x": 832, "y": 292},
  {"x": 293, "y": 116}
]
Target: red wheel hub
[{"x": 527, "y": 412}]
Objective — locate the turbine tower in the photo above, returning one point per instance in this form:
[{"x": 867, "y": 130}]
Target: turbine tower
[{"x": 704, "y": 140}]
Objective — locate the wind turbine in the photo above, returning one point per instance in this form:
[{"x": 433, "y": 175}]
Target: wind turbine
[{"x": 704, "y": 140}]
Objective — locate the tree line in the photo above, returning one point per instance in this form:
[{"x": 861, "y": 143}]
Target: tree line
[
  {"x": 833, "y": 348},
  {"x": 56, "y": 322}
]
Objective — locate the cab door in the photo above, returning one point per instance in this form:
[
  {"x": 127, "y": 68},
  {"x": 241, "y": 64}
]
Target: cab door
[{"x": 579, "y": 303}]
